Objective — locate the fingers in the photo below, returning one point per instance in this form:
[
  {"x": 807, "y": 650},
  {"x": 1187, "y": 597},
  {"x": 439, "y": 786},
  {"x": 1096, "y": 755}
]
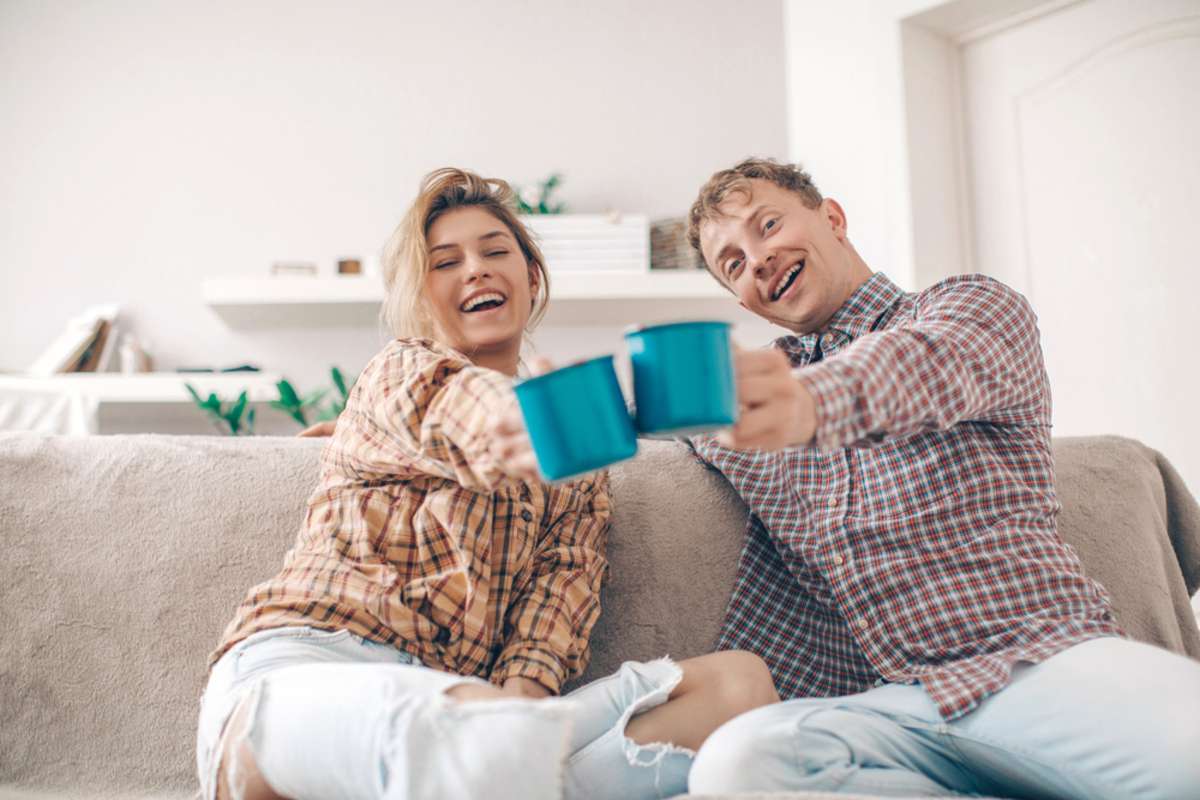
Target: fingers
[
  {"x": 539, "y": 365},
  {"x": 748, "y": 363},
  {"x": 758, "y": 389},
  {"x": 320, "y": 429},
  {"x": 756, "y": 429}
]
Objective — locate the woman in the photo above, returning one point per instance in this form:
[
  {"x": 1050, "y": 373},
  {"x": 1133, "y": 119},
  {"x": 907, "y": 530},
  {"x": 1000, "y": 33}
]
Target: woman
[{"x": 439, "y": 594}]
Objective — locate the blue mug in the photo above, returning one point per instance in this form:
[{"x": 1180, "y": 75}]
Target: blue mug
[
  {"x": 683, "y": 377},
  {"x": 577, "y": 419}
]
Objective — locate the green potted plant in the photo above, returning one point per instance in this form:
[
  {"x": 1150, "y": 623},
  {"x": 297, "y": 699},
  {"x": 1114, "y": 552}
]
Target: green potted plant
[
  {"x": 300, "y": 407},
  {"x": 232, "y": 417}
]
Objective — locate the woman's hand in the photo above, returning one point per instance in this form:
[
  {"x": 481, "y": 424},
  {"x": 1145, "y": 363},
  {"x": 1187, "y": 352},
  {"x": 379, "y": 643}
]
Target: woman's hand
[
  {"x": 320, "y": 429},
  {"x": 510, "y": 445},
  {"x": 524, "y": 687},
  {"x": 511, "y": 448}
]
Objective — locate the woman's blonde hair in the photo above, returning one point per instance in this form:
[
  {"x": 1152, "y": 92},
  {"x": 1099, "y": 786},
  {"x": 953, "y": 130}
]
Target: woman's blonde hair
[{"x": 406, "y": 256}]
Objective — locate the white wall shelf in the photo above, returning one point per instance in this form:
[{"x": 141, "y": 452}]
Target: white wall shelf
[
  {"x": 150, "y": 388},
  {"x": 156, "y": 402},
  {"x": 577, "y": 298}
]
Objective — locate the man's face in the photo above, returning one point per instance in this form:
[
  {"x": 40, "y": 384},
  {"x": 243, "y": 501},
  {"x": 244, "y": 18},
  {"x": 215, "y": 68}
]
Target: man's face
[{"x": 787, "y": 263}]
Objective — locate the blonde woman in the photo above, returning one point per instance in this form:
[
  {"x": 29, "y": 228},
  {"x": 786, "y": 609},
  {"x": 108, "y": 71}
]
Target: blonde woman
[{"x": 439, "y": 594}]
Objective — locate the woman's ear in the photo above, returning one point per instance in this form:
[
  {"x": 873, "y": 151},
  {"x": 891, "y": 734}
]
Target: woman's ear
[{"x": 535, "y": 281}]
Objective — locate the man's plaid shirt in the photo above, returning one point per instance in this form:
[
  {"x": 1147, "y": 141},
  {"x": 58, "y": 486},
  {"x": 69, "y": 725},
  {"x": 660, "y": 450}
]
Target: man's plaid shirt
[{"x": 916, "y": 539}]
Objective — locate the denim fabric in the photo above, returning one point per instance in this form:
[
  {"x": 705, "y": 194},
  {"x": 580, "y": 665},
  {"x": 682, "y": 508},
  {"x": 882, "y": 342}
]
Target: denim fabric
[
  {"x": 1108, "y": 719},
  {"x": 335, "y": 715}
]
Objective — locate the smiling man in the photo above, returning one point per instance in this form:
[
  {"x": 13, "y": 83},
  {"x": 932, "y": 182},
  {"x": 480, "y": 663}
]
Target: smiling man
[{"x": 903, "y": 575}]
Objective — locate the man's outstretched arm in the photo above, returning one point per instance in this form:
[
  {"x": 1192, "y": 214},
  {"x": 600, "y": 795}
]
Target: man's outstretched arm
[{"x": 972, "y": 353}]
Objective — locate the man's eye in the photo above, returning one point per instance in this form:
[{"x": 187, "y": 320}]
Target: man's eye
[
  {"x": 769, "y": 225},
  {"x": 733, "y": 265}
]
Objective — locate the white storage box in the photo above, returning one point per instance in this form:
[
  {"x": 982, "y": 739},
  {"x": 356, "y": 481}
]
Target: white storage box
[{"x": 592, "y": 242}]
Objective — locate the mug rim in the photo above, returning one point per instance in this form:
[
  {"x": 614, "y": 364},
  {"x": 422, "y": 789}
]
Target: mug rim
[
  {"x": 583, "y": 362},
  {"x": 643, "y": 328}
]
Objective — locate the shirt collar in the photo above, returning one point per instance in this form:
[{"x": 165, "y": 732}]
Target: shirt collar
[{"x": 860, "y": 314}]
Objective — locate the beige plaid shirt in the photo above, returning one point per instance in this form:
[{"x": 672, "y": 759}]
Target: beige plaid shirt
[{"x": 415, "y": 538}]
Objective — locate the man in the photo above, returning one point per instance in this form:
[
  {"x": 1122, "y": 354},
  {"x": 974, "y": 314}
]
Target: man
[{"x": 903, "y": 576}]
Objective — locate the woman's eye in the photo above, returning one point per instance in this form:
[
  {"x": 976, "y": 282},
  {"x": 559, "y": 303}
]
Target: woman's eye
[
  {"x": 497, "y": 253},
  {"x": 444, "y": 264},
  {"x": 770, "y": 224}
]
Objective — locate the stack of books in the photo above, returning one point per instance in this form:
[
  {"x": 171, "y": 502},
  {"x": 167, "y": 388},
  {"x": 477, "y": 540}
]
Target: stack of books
[
  {"x": 86, "y": 345},
  {"x": 592, "y": 242}
]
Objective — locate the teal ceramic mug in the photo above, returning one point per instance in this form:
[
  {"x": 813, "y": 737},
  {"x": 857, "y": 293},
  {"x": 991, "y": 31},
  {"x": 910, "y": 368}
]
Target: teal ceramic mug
[
  {"x": 682, "y": 377},
  {"x": 577, "y": 419}
]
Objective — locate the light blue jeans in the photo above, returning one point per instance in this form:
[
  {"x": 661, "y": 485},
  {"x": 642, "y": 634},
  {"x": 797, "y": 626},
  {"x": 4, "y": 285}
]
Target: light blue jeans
[
  {"x": 335, "y": 715},
  {"x": 1106, "y": 719}
]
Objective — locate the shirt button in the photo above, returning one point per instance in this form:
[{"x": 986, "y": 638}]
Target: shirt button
[
  {"x": 839, "y": 560},
  {"x": 527, "y": 515},
  {"x": 862, "y": 624},
  {"x": 833, "y": 502}
]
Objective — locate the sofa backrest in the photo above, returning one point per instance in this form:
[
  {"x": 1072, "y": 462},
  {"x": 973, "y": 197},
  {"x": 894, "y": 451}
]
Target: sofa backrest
[{"x": 124, "y": 558}]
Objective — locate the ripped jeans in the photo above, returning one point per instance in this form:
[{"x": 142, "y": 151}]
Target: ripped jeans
[{"x": 332, "y": 715}]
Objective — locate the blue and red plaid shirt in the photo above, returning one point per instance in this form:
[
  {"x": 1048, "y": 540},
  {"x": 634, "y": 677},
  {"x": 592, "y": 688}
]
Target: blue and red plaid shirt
[{"x": 916, "y": 539}]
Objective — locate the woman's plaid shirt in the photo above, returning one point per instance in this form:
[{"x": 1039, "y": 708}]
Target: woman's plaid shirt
[
  {"x": 916, "y": 541},
  {"x": 414, "y": 538}
]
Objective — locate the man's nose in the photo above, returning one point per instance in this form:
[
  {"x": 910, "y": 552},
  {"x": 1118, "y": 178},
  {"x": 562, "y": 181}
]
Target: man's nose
[{"x": 762, "y": 261}]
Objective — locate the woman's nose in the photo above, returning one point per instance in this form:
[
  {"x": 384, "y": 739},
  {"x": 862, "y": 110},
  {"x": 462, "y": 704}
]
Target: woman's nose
[{"x": 476, "y": 268}]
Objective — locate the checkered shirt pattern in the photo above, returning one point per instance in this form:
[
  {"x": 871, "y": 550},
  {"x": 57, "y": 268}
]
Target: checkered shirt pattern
[
  {"x": 414, "y": 537},
  {"x": 916, "y": 539}
]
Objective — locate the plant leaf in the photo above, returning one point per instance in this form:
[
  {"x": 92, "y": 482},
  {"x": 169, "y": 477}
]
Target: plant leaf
[
  {"x": 340, "y": 382},
  {"x": 287, "y": 394},
  {"x": 235, "y": 411}
]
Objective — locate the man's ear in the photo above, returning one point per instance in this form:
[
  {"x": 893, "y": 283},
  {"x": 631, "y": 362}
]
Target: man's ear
[{"x": 832, "y": 212}]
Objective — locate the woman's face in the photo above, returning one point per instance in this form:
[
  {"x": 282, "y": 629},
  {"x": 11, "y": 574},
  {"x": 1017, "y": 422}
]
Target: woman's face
[{"x": 479, "y": 283}]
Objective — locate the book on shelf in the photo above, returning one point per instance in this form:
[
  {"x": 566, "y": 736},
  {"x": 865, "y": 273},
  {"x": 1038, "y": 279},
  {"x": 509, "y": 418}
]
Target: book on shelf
[{"x": 86, "y": 345}]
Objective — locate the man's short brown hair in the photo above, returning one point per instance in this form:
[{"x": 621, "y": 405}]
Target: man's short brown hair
[{"x": 736, "y": 180}]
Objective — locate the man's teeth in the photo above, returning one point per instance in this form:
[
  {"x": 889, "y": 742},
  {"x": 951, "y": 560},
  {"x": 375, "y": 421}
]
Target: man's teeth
[
  {"x": 787, "y": 280},
  {"x": 476, "y": 302}
]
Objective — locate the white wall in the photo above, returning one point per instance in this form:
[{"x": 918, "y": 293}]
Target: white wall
[{"x": 145, "y": 146}]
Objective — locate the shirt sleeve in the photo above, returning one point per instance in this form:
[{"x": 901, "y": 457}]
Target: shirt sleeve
[
  {"x": 549, "y": 624},
  {"x": 971, "y": 353},
  {"x": 419, "y": 410}
]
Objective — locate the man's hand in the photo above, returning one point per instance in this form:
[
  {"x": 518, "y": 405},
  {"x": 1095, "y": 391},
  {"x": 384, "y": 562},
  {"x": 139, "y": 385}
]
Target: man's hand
[
  {"x": 776, "y": 411},
  {"x": 320, "y": 429},
  {"x": 524, "y": 687}
]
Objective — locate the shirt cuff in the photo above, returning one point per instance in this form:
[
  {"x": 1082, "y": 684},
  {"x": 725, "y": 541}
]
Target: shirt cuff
[
  {"x": 525, "y": 660},
  {"x": 840, "y": 421}
]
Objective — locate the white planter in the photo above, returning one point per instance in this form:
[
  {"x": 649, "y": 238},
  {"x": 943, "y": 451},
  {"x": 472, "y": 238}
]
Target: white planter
[{"x": 592, "y": 242}]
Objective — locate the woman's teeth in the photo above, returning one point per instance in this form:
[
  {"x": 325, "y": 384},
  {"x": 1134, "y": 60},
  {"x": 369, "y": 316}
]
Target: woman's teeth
[{"x": 482, "y": 302}]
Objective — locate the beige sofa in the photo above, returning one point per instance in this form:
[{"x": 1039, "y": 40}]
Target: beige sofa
[{"x": 123, "y": 558}]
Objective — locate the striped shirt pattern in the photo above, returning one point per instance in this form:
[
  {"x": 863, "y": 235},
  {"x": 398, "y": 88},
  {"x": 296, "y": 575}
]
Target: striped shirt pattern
[
  {"x": 916, "y": 540},
  {"x": 415, "y": 538}
]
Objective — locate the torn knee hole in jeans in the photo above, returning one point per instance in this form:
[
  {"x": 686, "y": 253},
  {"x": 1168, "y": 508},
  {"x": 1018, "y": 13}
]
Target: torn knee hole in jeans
[
  {"x": 231, "y": 769},
  {"x": 653, "y": 753}
]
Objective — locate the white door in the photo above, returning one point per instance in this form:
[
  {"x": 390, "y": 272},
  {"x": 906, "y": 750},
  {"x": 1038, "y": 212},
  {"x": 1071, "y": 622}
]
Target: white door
[{"x": 1082, "y": 130}]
